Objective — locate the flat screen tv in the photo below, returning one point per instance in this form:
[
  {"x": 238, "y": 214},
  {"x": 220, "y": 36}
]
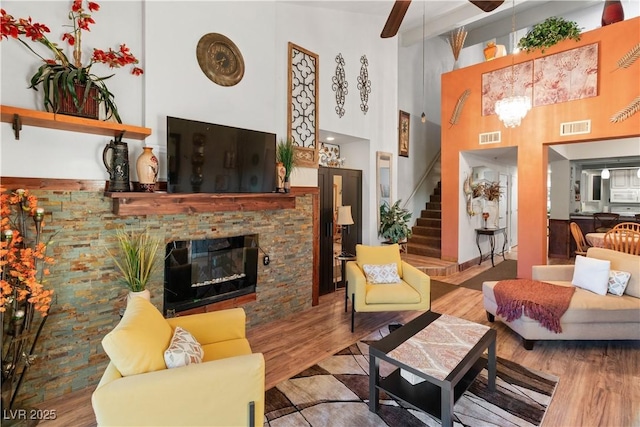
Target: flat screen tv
[{"x": 210, "y": 158}]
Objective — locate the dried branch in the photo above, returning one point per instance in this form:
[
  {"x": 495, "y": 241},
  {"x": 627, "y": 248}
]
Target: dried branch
[
  {"x": 456, "y": 41},
  {"x": 627, "y": 112},
  {"x": 629, "y": 57},
  {"x": 458, "y": 109}
]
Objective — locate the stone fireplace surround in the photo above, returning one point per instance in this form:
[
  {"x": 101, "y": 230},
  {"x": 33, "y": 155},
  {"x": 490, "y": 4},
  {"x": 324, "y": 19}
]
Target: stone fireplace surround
[{"x": 88, "y": 296}]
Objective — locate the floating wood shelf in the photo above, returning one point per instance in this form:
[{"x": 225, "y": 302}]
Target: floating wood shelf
[
  {"x": 22, "y": 116},
  {"x": 132, "y": 203}
]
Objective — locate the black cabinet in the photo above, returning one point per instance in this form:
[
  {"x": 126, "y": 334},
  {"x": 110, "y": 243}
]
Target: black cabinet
[{"x": 338, "y": 187}]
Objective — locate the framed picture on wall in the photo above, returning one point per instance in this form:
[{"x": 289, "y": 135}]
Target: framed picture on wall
[{"x": 403, "y": 134}]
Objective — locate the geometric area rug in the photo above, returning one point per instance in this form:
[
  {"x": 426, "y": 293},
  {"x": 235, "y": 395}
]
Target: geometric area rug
[{"x": 335, "y": 393}]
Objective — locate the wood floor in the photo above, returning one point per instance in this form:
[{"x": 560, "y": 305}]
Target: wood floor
[{"x": 599, "y": 381}]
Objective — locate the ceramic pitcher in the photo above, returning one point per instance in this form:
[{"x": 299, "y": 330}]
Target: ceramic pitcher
[{"x": 115, "y": 157}]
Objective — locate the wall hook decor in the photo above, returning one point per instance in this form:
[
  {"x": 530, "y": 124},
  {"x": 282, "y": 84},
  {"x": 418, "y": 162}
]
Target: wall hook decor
[
  {"x": 364, "y": 84},
  {"x": 340, "y": 85}
]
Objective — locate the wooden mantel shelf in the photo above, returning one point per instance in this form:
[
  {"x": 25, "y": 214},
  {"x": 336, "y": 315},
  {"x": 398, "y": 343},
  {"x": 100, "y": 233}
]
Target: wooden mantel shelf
[
  {"x": 158, "y": 203},
  {"x": 22, "y": 116}
]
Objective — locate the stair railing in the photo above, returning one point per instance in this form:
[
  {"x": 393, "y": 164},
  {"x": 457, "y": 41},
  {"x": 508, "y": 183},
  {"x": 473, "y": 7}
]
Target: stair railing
[{"x": 430, "y": 167}]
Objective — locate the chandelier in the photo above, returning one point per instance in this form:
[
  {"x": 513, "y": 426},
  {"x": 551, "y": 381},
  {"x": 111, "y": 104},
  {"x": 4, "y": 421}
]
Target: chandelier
[{"x": 513, "y": 109}]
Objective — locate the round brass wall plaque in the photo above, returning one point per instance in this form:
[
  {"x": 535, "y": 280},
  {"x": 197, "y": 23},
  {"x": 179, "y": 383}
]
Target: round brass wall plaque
[{"x": 220, "y": 59}]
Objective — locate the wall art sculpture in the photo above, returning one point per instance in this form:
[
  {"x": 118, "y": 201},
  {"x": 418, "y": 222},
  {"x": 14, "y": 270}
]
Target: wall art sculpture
[
  {"x": 364, "y": 84},
  {"x": 340, "y": 85},
  {"x": 302, "y": 112}
]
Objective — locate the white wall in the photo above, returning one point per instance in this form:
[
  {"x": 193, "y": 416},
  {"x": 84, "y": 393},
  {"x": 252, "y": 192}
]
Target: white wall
[
  {"x": 164, "y": 35},
  {"x": 424, "y": 138}
]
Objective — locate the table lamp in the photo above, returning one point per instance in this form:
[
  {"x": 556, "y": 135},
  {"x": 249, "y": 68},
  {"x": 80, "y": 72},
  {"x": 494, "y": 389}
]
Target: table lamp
[{"x": 344, "y": 220}]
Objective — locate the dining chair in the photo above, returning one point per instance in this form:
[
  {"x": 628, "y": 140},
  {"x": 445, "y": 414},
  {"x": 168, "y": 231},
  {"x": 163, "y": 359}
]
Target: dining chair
[
  {"x": 581, "y": 244},
  {"x": 633, "y": 226},
  {"x": 621, "y": 240},
  {"x": 604, "y": 221}
]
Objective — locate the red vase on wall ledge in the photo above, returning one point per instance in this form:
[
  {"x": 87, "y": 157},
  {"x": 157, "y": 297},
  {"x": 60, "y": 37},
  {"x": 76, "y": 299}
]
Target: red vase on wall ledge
[{"x": 612, "y": 12}]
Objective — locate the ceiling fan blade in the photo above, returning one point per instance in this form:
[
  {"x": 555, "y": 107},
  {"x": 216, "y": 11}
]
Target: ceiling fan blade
[
  {"x": 395, "y": 18},
  {"x": 487, "y": 6}
]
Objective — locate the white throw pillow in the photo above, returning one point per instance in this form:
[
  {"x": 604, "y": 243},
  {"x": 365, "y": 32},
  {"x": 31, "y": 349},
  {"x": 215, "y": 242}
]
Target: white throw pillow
[
  {"x": 183, "y": 350},
  {"x": 618, "y": 281},
  {"x": 591, "y": 274},
  {"x": 385, "y": 273}
]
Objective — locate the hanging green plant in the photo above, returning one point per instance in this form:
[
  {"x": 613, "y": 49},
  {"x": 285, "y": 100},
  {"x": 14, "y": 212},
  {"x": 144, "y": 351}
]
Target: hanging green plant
[{"x": 548, "y": 33}]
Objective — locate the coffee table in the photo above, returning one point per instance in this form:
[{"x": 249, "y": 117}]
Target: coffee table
[{"x": 443, "y": 352}]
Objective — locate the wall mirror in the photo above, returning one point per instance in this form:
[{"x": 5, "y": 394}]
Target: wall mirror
[
  {"x": 483, "y": 174},
  {"x": 384, "y": 173}
]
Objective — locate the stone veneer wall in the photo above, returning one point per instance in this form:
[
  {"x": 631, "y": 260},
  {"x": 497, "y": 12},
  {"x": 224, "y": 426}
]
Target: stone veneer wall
[{"x": 88, "y": 296}]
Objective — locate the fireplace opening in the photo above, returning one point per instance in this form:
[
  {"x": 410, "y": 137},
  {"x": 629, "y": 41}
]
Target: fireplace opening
[{"x": 201, "y": 272}]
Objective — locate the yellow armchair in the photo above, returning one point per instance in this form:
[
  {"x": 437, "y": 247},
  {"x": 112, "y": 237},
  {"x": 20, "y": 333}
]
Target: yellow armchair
[
  {"x": 226, "y": 389},
  {"x": 411, "y": 292}
]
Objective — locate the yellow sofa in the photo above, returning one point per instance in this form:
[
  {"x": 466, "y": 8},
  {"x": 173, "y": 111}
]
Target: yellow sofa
[
  {"x": 412, "y": 292},
  {"x": 225, "y": 389}
]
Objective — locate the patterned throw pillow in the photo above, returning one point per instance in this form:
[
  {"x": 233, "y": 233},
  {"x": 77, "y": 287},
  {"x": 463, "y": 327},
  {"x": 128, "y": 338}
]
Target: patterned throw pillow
[
  {"x": 385, "y": 273},
  {"x": 618, "y": 282},
  {"x": 183, "y": 350}
]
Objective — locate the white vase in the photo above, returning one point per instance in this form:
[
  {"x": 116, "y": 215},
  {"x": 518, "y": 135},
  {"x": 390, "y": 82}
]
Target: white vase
[
  {"x": 491, "y": 206},
  {"x": 139, "y": 294},
  {"x": 147, "y": 168}
]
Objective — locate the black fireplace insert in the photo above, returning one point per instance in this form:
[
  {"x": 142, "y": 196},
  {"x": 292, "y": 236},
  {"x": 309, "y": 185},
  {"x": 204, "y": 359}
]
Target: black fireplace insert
[{"x": 201, "y": 272}]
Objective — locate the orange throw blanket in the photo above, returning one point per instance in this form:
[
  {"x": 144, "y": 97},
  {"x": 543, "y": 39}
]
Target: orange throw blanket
[{"x": 540, "y": 301}]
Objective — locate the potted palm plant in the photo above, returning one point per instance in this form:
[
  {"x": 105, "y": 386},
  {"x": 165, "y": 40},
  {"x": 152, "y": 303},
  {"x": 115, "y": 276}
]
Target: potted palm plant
[
  {"x": 136, "y": 259},
  {"x": 394, "y": 222},
  {"x": 285, "y": 154}
]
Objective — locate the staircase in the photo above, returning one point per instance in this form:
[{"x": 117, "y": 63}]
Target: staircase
[{"x": 426, "y": 238}]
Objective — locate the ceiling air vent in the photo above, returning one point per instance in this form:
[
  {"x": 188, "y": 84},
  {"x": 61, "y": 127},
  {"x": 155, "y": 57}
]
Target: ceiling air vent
[
  {"x": 575, "y": 128},
  {"x": 490, "y": 137}
]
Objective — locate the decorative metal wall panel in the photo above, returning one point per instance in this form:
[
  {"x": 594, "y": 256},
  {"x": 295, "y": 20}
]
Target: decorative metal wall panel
[
  {"x": 364, "y": 84},
  {"x": 340, "y": 85},
  {"x": 302, "y": 114}
]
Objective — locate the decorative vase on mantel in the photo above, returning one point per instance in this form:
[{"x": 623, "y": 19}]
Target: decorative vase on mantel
[
  {"x": 139, "y": 294},
  {"x": 281, "y": 172},
  {"x": 147, "y": 168}
]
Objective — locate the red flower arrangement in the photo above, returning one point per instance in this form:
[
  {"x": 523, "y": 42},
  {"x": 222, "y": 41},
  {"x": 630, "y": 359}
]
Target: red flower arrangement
[{"x": 60, "y": 73}]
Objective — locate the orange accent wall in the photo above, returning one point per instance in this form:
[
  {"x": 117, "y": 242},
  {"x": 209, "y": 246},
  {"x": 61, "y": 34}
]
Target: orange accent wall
[{"x": 541, "y": 126}]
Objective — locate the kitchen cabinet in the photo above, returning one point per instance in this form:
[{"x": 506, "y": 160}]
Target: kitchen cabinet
[
  {"x": 625, "y": 179},
  {"x": 620, "y": 179},
  {"x": 560, "y": 239}
]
